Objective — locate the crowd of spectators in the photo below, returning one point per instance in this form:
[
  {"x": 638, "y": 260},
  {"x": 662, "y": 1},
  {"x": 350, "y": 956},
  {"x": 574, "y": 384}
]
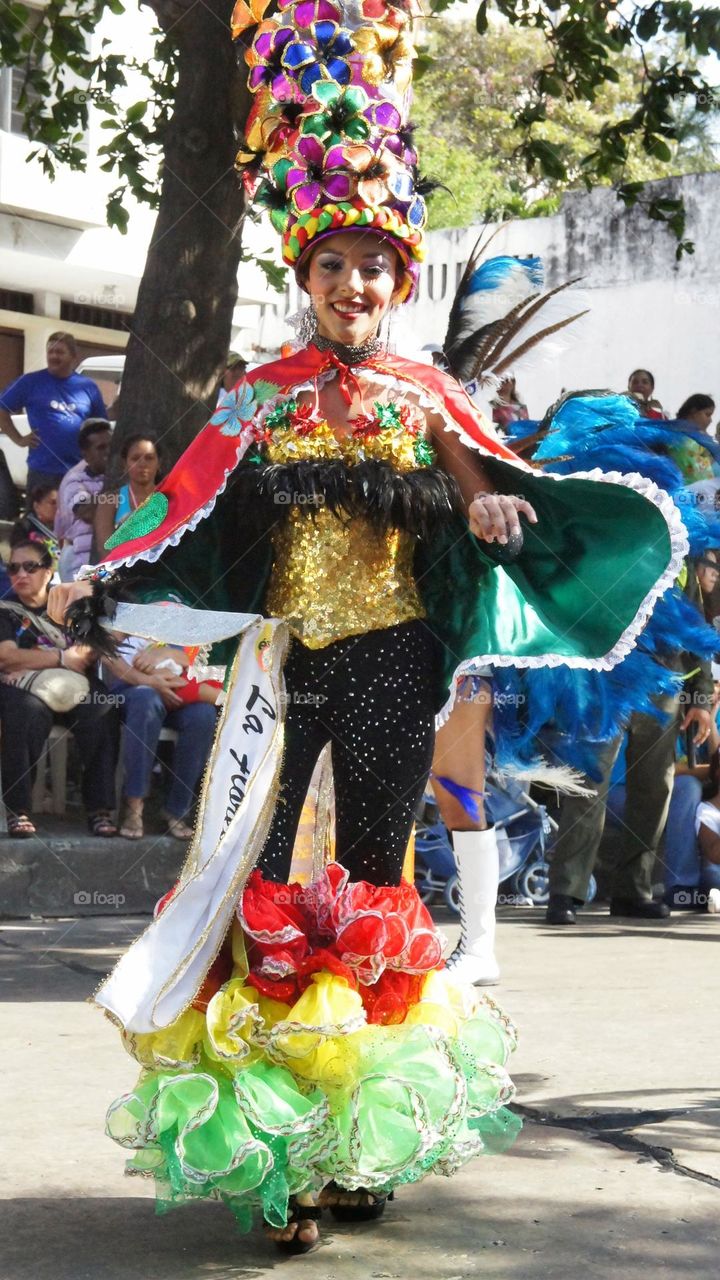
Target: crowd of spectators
[{"x": 117, "y": 710}]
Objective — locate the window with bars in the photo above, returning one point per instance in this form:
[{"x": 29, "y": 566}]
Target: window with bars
[
  {"x": 100, "y": 317},
  {"x": 11, "y": 300}
]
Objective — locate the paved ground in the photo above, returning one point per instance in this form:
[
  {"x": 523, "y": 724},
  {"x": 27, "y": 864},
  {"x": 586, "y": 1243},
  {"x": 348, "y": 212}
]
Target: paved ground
[{"x": 617, "y": 1172}]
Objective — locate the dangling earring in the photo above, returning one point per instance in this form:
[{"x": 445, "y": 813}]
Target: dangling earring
[
  {"x": 308, "y": 325},
  {"x": 385, "y": 328}
]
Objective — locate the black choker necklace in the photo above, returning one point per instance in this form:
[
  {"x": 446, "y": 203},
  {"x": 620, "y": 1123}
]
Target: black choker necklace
[{"x": 350, "y": 355}]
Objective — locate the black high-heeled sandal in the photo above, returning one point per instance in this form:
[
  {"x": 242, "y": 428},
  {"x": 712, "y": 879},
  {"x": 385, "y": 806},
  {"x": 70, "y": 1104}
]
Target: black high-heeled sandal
[
  {"x": 369, "y": 1212},
  {"x": 298, "y": 1213}
]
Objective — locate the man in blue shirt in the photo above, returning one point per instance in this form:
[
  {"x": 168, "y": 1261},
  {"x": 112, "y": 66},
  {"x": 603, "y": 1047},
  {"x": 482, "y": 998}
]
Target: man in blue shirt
[{"x": 57, "y": 400}]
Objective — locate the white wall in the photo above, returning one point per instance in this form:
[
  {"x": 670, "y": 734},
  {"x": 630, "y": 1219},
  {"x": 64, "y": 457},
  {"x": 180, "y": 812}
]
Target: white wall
[{"x": 646, "y": 308}]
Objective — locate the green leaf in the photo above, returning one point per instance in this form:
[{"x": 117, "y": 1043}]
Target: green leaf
[
  {"x": 547, "y": 156},
  {"x": 481, "y": 18},
  {"x": 264, "y": 390},
  {"x": 276, "y": 276},
  {"x": 658, "y": 148},
  {"x": 136, "y": 112},
  {"x": 117, "y": 215},
  {"x": 422, "y": 64},
  {"x": 648, "y": 23}
]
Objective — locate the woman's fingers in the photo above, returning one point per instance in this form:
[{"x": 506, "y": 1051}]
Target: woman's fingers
[
  {"x": 524, "y": 508},
  {"x": 62, "y": 596},
  {"x": 497, "y": 516}
]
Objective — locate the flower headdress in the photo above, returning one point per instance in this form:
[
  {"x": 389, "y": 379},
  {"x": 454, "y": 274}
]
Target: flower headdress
[{"x": 331, "y": 81}]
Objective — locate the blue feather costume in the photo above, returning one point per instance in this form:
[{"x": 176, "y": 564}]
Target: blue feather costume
[{"x": 561, "y": 712}]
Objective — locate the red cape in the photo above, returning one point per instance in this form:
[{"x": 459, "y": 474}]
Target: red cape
[{"x": 201, "y": 473}]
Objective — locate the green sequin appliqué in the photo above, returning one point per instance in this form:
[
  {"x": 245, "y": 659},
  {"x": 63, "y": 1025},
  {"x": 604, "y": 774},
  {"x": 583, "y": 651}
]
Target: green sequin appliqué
[{"x": 148, "y": 517}]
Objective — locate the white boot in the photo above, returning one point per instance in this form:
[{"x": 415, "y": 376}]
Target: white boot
[{"x": 477, "y": 862}]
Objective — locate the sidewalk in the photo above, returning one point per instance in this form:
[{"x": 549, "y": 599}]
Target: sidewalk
[{"x": 616, "y": 1174}]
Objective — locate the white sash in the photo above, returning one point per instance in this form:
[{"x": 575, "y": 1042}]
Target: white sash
[{"x": 160, "y": 974}]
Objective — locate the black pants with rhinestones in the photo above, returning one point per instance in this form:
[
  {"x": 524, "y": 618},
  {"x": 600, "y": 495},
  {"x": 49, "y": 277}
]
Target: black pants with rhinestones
[{"x": 371, "y": 697}]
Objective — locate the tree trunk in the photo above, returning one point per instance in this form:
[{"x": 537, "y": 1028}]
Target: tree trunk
[{"x": 181, "y": 327}]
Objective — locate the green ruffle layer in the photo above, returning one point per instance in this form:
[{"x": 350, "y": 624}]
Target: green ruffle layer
[{"x": 407, "y": 1101}]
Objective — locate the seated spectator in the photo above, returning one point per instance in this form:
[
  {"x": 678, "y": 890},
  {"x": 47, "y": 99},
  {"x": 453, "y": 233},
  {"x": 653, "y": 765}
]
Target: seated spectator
[
  {"x": 507, "y": 404},
  {"x": 692, "y": 847},
  {"x": 78, "y": 495},
  {"x": 44, "y": 679},
  {"x": 154, "y": 696},
  {"x": 708, "y": 572},
  {"x": 40, "y": 516},
  {"x": 141, "y": 461},
  {"x": 641, "y": 388},
  {"x": 696, "y": 463},
  {"x": 707, "y": 829},
  {"x": 698, "y": 410}
]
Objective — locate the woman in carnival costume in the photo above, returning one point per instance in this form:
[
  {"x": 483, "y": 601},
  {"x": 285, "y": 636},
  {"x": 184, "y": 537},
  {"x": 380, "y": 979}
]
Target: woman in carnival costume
[{"x": 296, "y": 1040}]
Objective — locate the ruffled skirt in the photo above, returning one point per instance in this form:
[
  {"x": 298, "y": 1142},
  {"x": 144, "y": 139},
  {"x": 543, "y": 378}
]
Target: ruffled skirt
[{"x": 327, "y": 1043}]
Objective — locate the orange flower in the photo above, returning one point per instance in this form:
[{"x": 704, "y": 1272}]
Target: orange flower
[
  {"x": 247, "y": 15},
  {"x": 387, "y": 55}
]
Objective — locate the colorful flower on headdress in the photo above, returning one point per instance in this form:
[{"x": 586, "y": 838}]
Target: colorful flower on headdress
[
  {"x": 317, "y": 172},
  {"x": 302, "y": 13},
  {"x": 235, "y": 409},
  {"x": 387, "y": 55},
  {"x": 322, "y": 55},
  {"x": 274, "y": 199},
  {"x": 379, "y": 178},
  {"x": 393, "y": 12},
  {"x": 265, "y": 61},
  {"x": 246, "y": 15},
  {"x": 273, "y": 127},
  {"x": 344, "y": 116}
]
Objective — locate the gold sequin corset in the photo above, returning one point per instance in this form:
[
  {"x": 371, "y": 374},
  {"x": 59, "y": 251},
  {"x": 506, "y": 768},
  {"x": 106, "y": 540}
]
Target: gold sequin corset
[
  {"x": 343, "y": 556},
  {"x": 335, "y": 577}
]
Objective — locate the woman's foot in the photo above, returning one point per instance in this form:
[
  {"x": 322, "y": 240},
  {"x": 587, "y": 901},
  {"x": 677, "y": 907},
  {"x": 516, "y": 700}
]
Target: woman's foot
[
  {"x": 19, "y": 826},
  {"x": 101, "y": 824},
  {"x": 301, "y": 1234},
  {"x": 353, "y": 1206},
  {"x": 178, "y": 828},
  {"x": 132, "y": 827}
]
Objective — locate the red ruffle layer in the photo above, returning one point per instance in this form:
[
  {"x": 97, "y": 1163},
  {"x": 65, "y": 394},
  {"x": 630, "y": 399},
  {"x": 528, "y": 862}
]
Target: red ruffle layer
[{"x": 379, "y": 937}]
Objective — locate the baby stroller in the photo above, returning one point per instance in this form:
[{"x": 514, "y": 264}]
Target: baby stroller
[{"x": 523, "y": 830}]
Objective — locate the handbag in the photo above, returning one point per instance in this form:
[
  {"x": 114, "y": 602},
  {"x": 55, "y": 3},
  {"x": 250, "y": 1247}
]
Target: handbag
[{"x": 61, "y": 690}]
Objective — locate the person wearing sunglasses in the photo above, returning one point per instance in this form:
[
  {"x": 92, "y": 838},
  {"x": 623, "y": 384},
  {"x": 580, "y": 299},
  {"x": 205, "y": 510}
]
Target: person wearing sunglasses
[{"x": 30, "y": 642}]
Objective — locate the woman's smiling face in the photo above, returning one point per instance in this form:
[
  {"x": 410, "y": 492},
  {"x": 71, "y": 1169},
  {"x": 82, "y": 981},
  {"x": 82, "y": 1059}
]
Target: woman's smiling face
[{"x": 352, "y": 279}]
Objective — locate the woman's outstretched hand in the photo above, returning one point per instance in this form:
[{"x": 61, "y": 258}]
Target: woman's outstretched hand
[
  {"x": 61, "y": 597},
  {"x": 496, "y": 516}
]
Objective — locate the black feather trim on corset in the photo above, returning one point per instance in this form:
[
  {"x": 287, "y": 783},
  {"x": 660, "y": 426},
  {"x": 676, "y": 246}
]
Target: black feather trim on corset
[{"x": 420, "y": 501}]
